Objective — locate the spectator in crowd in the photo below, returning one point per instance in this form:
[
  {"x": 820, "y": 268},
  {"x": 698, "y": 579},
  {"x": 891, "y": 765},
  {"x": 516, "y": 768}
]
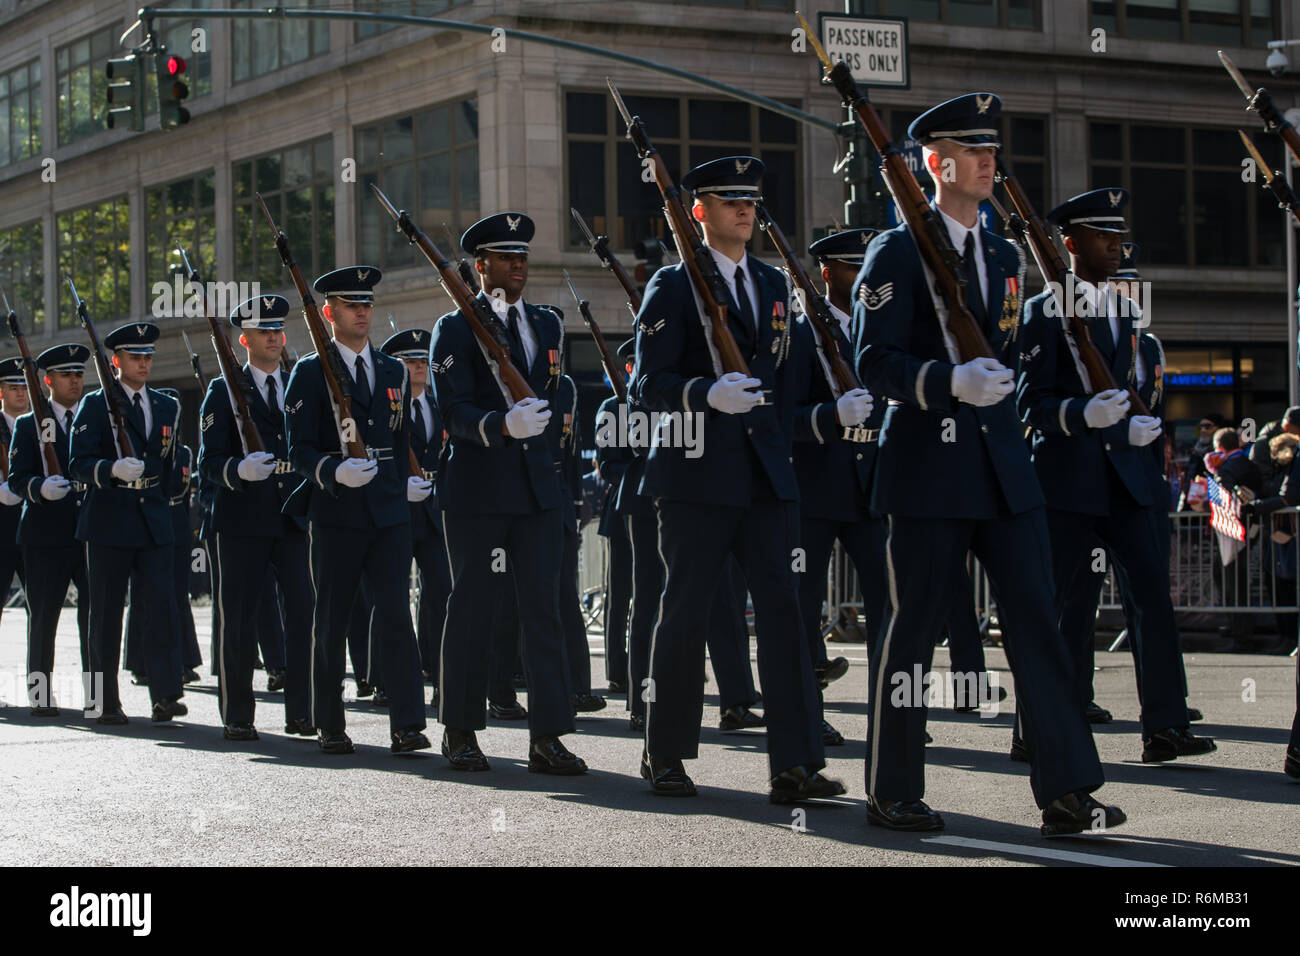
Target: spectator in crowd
[
  {"x": 1280, "y": 548},
  {"x": 1261, "y": 452}
]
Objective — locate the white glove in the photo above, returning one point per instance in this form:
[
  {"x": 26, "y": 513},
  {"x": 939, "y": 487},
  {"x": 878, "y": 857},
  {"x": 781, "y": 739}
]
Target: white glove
[
  {"x": 55, "y": 487},
  {"x": 355, "y": 472},
  {"x": 7, "y": 497},
  {"x": 127, "y": 469},
  {"x": 527, "y": 418},
  {"x": 256, "y": 466},
  {"x": 1106, "y": 408},
  {"x": 981, "y": 381},
  {"x": 731, "y": 394},
  {"x": 853, "y": 407},
  {"x": 417, "y": 489},
  {"x": 1143, "y": 430}
]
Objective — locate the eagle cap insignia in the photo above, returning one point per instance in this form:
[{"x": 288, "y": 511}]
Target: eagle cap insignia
[
  {"x": 983, "y": 102},
  {"x": 267, "y": 301},
  {"x": 416, "y": 334},
  {"x": 1114, "y": 198},
  {"x": 742, "y": 166},
  {"x": 140, "y": 330},
  {"x": 513, "y": 222},
  {"x": 865, "y": 239},
  {"x": 363, "y": 274}
]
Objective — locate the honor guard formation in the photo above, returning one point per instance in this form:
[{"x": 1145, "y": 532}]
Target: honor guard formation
[{"x": 908, "y": 402}]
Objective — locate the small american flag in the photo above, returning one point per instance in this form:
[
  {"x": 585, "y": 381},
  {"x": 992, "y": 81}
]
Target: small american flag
[{"x": 1224, "y": 508}]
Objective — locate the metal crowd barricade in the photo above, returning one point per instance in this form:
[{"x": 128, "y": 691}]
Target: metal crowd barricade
[
  {"x": 593, "y": 558},
  {"x": 1260, "y": 578}
]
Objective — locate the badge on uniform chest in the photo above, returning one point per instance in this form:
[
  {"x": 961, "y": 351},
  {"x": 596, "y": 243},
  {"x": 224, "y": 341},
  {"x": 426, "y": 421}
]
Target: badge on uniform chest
[
  {"x": 1011, "y": 303},
  {"x": 553, "y": 359},
  {"x": 778, "y": 324},
  {"x": 166, "y": 438}
]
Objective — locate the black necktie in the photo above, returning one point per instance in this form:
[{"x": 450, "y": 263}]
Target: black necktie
[
  {"x": 271, "y": 401},
  {"x": 512, "y": 322},
  {"x": 137, "y": 408},
  {"x": 974, "y": 297},
  {"x": 363, "y": 384},
  {"x": 419, "y": 420},
  {"x": 67, "y": 421},
  {"x": 742, "y": 300},
  {"x": 1101, "y": 333}
]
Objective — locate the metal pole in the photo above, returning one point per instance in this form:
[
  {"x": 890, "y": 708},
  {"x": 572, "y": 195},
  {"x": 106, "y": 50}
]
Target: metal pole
[{"x": 1291, "y": 318}]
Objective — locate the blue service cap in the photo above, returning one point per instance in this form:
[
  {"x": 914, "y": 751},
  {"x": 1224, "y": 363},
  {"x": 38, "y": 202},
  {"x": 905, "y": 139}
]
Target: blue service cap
[
  {"x": 848, "y": 245},
  {"x": 971, "y": 120},
  {"x": 412, "y": 344},
  {"x": 1128, "y": 259},
  {"x": 71, "y": 357},
  {"x": 11, "y": 372},
  {"x": 1101, "y": 209},
  {"x": 505, "y": 232},
  {"x": 261, "y": 312},
  {"x": 351, "y": 284},
  {"x": 137, "y": 338},
  {"x": 731, "y": 177}
]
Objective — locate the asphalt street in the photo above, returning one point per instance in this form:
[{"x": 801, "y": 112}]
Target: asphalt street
[{"x": 74, "y": 794}]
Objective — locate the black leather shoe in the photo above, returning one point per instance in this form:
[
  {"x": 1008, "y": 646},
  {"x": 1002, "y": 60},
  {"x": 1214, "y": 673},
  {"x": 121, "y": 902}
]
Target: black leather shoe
[
  {"x": 831, "y": 670},
  {"x": 139, "y": 680},
  {"x": 511, "y": 711},
  {"x": 902, "y": 815},
  {"x": 1019, "y": 752},
  {"x": 275, "y": 681},
  {"x": 830, "y": 736},
  {"x": 460, "y": 747},
  {"x": 364, "y": 688},
  {"x": 548, "y": 755},
  {"x": 796, "y": 784},
  {"x": 636, "y": 723},
  {"x": 191, "y": 676},
  {"x": 405, "y": 741},
  {"x": 335, "y": 743},
  {"x": 428, "y": 677},
  {"x": 1292, "y": 766},
  {"x": 618, "y": 687},
  {"x": 928, "y": 738},
  {"x": 112, "y": 718},
  {"x": 45, "y": 711},
  {"x": 166, "y": 710},
  {"x": 1078, "y": 812},
  {"x": 587, "y": 703},
  {"x": 667, "y": 777},
  {"x": 1095, "y": 714},
  {"x": 300, "y": 726},
  {"x": 1173, "y": 743},
  {"x": 1194, "y": 714},
  {"x": 380, "y": 698},
  {"x": 433, "y": 698},
  {"x": 996, "y": 696},
  {"x": 740, "y": 717},
  {"x": 239, "y": 732}
]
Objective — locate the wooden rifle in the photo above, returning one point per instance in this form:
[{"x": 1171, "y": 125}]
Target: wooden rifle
[
  {"x": 236, "y": 384},
  {"x": 600, "y": 246},
  {"x": 1262, "y": 103},
  {"x": 110, "y": 387},
  {"x": 1059, "y": 278},
  {"x": 476, "y": 313},
  {"x": 195, "y": 365},
  {"x": 331, "y": 364},
  {"x": 1273, "y": 181},
  {"x": 705, "y": 277},
  {"x": 843, "y": 378},
  {"x": 617, "y": 376},
  {"x": 930, "y": 234},
  {"x": 43, "y": 416}
]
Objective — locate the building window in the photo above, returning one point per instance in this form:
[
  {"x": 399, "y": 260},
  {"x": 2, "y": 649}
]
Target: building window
[
  {"x": 751, "y": 4},
  {"x": 1187, "y": 206},
  {"x": 94, "y": 251},
  {"x": 178, "y": 37},
  {"x": 426, "y": 164},
  {"x": 972, "y": 13},
  {"x": 20, "y": 113},
  {"x": 82, "y": 85},
  {"x": 410, "y": 8},
  {"x": 604, "y": 173},
  {"x": 298, "y": 186},
  {"x": 181, "y": 213},
  {"x": 259, "y": 47},
  {"x": 1223, "y": 22},
  {"x": 22, "y": 251}
]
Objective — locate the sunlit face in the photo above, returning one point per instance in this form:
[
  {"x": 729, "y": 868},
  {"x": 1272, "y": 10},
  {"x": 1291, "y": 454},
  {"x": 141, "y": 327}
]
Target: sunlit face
[
  {"x": 351, "y": 319},
  {"x": 725, "y": 220},
  {"x": 132, "y": 368},
  {"x": 507, "y": 271},
  {"x": 15, "y": 399},
  {"x": 963, "y": 171},
  {"x": 264, "y": 345},
  {"x": 66, "y": 387}
]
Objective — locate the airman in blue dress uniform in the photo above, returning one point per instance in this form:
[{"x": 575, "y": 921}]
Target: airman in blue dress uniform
[
  {"x": 953, "y": 475},
  {"x": 358, "y": 519},
  {"x": 501, "y": 500},
  {"x": 14, "y": 401}
]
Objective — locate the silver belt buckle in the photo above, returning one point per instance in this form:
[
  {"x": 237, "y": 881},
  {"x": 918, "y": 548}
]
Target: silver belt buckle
[
  {"x": 282, "y": 467},
  {"x": 379, "y": 454},
  {"x": 430, "y": 474},
  {"x": 855, "y": 434}
]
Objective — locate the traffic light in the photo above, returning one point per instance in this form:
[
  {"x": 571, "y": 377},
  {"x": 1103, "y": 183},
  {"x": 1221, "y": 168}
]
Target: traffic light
[
  {"x": 171, "y": 89},
  {"x": 126, "y": 79}
]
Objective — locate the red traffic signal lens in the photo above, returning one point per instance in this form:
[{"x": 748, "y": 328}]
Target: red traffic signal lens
[{"x": 175, "y": 66}]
